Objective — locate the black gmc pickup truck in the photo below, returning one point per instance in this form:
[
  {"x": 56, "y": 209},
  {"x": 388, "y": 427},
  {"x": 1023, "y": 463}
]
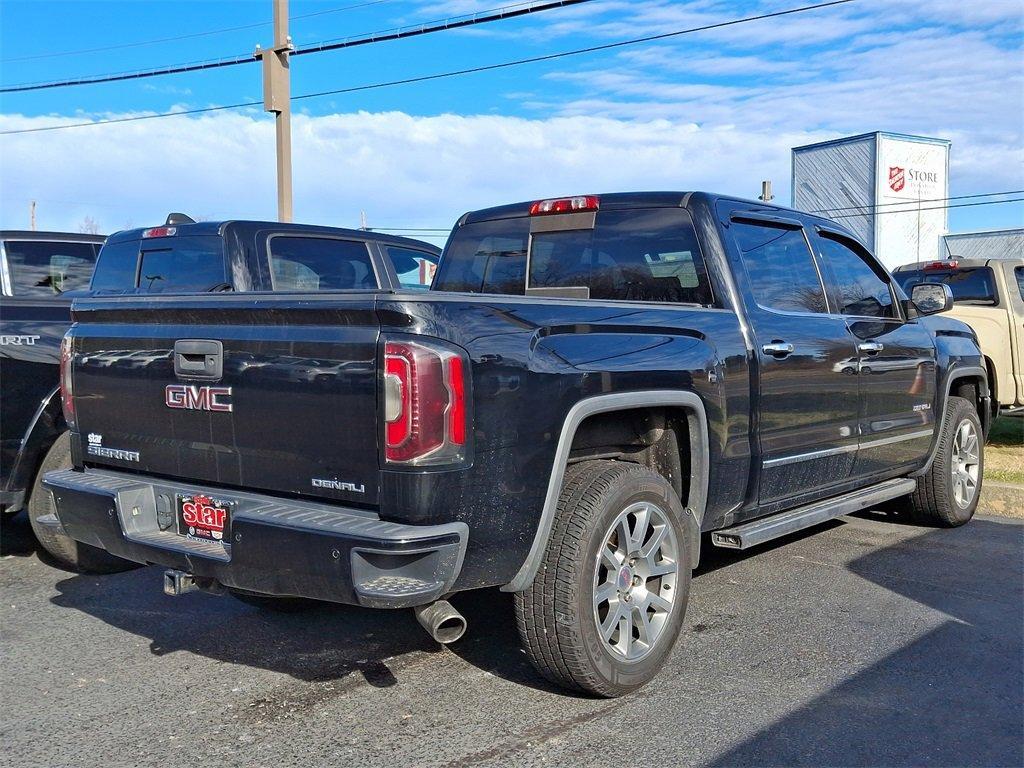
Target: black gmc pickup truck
[
  {"x": 42, "y": 271},
  {"x": 591, "y": 384}
]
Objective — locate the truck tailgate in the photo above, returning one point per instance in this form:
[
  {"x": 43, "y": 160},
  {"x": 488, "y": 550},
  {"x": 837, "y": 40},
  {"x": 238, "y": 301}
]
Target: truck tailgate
[{"x": 289, "y": 407}]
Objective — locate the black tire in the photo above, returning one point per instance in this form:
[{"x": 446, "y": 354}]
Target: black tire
[
  {"x": 936, "y": 500},
  {"x": 68, "y": 552},
  {"x": 273, "y": 603},
  {"x": 557, "y": 616}
]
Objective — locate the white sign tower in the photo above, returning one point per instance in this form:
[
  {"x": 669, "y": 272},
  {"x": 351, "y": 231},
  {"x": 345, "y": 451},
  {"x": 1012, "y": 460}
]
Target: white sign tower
[{"x": 890, "y": 189}]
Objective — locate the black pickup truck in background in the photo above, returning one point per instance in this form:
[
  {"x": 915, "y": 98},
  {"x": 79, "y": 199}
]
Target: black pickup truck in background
[
  {"x": 42, "y": 271},
  {"x": 591, "y": 384}
]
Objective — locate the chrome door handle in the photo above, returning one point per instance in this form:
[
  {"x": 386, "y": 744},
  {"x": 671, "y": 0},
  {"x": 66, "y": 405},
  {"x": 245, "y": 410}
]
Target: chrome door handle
[
  {"x": 870, "y": 347},
  {"x": 778, "y": 349}
]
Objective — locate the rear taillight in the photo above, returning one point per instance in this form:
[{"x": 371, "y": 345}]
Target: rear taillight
[
  {"x": 949, "y": 264},
  {"x": 67, "y": 399},
  {"x": 425, "y": 415}
]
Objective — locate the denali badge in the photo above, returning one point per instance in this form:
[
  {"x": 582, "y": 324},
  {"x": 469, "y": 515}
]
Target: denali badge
[
  {"x": 338, "y": 485},
  {"x": 194, "y": 398}
]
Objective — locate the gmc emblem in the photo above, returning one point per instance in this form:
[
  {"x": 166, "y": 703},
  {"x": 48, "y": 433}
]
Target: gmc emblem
[{"x": 195, "y": 398}]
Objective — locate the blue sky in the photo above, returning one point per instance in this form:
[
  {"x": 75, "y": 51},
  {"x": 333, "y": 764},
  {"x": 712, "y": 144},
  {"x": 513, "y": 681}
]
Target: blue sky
[{"x": 716, "y": 110}]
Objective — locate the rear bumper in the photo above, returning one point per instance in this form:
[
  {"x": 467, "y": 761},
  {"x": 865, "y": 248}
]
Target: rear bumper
[{"x": 275, "y": 547}]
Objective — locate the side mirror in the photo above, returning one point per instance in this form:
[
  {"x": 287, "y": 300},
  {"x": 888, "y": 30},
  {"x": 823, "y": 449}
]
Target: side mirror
[{"x": 932, "y": 298}]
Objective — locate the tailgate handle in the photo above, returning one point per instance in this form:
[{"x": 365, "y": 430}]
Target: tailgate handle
[{"x": 198, "y": 359}]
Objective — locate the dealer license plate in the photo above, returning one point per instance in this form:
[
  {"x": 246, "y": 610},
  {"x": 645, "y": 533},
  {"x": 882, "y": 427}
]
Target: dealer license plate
[{"x": 204, "y": 517}]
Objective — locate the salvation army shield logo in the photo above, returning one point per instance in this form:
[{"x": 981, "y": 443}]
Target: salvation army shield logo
[{"x": 896, "y": 178}]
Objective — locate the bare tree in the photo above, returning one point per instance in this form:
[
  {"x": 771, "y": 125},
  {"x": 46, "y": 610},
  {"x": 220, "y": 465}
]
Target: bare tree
[{"x": 89, "y": 226}]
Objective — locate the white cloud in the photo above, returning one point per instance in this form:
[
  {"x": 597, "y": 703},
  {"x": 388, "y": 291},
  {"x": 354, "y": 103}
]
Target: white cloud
[
  {"x": 716, "y": 111},
  {"x": 402, "y": 170}
]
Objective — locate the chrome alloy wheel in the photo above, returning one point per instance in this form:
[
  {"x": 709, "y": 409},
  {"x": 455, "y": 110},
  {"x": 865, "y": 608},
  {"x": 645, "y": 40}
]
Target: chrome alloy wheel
[
  {"x": 635, "y": 580},
  {"x": 965, "y": 464}
]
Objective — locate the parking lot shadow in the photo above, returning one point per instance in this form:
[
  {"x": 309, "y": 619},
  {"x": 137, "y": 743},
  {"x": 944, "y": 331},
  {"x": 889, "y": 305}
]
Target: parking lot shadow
[
  {"x": 324, "y": 643},
  {"x": 951, "y": 697},
  {"x": 16, "y": 539}
]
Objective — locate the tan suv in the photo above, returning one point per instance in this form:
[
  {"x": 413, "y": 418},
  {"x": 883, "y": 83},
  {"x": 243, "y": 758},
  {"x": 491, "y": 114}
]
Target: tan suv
[{"x": 988, "y": 295}]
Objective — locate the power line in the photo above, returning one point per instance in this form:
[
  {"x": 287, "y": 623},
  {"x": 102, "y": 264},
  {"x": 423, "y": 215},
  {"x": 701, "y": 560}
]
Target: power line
[
  {"x": 178, "y": 69},
  {"x": 934, "y": 208},
  {"x": 442, "y": 25},
  {"x": 190, "y": 36},
  {"x": 453, "y": 73},
  {"x": 864, "y": 209},
  {"x": 134, "y": 118},
  {"x": 509, "y": 11}
]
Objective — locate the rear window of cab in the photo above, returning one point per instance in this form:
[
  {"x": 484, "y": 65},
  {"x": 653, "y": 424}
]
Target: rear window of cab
[
  {"x": 972, "y": 285},
  {"x": 193, "y": 264},
  {"x": 645, "y": 254}
]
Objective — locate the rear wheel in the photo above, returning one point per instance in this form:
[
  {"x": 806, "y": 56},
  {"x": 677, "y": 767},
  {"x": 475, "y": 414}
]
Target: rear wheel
[
  {"x": 948, "y": 494},
  {"x": 608, "y": 602},
  {"x": 71, "y": 553}
]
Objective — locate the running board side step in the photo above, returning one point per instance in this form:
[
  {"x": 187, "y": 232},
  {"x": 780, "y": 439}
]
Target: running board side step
[{"x": 783, "y": 523}]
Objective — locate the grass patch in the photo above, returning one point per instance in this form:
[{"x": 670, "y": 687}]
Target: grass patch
[{"x": 1004, "y": 453}]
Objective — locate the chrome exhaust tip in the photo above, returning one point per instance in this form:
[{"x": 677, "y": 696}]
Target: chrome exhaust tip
[{"x": 442, "y": 621}]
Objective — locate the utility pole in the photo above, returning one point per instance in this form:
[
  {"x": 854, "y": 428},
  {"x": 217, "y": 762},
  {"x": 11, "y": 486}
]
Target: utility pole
[
  {"x": 766, "y": 192},
  {"x": 277, "y": 99},
  {"x": 32, "y": 214}
]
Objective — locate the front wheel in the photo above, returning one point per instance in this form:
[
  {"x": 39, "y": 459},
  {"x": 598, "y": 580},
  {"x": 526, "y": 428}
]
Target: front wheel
[
  {"x": 948, "y": 494},
  {"x": 608, "y": 601}
]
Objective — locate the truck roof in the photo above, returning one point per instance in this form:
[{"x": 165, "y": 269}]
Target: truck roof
[
  {"x": 623, "y": 200},
  {"x": 29, "y": 234},
  {"x": 218, "y": 228},
  {"x": 953, "y": 263}
]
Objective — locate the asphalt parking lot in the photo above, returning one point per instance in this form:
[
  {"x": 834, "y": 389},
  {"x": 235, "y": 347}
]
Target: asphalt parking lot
[{"x": 861, "y": 643}]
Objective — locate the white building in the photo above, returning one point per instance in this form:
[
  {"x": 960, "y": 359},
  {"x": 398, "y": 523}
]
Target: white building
[
  {"x": 888, "y": 188},
  {"x": 989, "y": 244}
]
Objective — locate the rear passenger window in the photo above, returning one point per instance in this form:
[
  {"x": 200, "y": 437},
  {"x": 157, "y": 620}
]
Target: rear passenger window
[
  {"x": 39, "y": 268},
  {"x": 1019, "y": 273},
  {"x": 415, "y": 269},
  {"x": 862, "y": 291},
  {"x": 780, "y": 267},
  {"x": 320, "y": 264}
]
